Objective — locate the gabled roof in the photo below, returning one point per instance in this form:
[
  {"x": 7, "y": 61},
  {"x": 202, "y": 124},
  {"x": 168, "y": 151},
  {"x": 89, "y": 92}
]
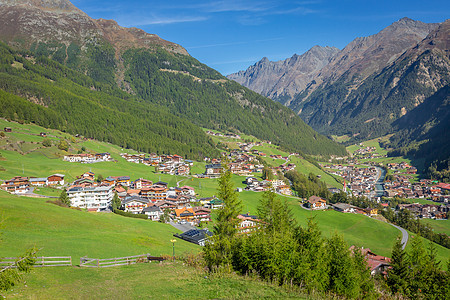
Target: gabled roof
[
  {"x": 135, "y": 198},
  {"x": 59, "y": 175},
  {"x": 151, "y": 209}
]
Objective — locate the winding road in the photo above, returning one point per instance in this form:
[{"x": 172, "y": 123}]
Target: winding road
[{"x": 405, "y": 235}]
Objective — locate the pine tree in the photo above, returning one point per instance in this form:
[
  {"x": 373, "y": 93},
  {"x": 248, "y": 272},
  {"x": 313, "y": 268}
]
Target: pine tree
[
  {"x": 275, "y": 214},
  {"x": 218, "y": 252},
  {"x": 342, "y": 278},
  {"x": 398, "y": 275},
  {"x": 116, "y": 203},
  {"x": 64, "y": 199}
]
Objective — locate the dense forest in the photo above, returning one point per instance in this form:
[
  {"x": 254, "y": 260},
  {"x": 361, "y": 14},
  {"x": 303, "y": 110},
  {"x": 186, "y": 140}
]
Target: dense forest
[
  {"x": 159, "y": 85},
  {"x": 49, "y": 94},
  {"x": 199, "y": 93}
]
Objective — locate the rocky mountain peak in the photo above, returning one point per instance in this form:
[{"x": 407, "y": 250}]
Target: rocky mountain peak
[
  {"x": 49, "y": 5},
  {"x": 285, "y": 77},
  {"x": 50, "y": 21}
]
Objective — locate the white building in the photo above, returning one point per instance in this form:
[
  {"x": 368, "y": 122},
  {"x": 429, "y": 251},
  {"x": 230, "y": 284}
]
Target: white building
[
  {"x": 91, "y": 198},
  {"x": 134, "y": 204}
]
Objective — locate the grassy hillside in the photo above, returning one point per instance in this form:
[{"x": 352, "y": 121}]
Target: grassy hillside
[
  {"x": 39, "y": 162},
  {"x": 156, "y": 281},
  {"x": 63, "y": 231}
]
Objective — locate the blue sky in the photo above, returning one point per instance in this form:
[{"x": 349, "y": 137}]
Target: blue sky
[{"x": 231, "y": 35}]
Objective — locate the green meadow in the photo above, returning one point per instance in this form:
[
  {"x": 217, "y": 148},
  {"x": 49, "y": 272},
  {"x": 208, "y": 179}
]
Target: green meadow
[
  {"x": 166, "y": 280},
  {"x": 61, "y": 231},
  {"x": 32, "y": 221},
  {"x": 439, "y": 226}
]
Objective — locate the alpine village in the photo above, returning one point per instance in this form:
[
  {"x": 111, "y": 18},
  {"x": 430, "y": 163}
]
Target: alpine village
[{"x": 129, "y": 169}]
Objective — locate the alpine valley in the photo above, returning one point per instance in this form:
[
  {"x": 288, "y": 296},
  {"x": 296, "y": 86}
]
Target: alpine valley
[
  {"x": 395, "y": 81},
  {"x": 62, "y": 69},
  {"x": 129, "y": 169}
]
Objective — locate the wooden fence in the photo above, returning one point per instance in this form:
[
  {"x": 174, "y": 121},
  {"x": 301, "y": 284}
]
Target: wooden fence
[
  {"x": 117, "y": 261},
  {"x": 41, "y": 261}
]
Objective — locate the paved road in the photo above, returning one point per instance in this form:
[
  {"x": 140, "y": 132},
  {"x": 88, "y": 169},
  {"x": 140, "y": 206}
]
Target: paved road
[
  {"x": 182, "y": 227},
  {"x": 405, "y": 235},
  {"x": 31, "y": 193}
]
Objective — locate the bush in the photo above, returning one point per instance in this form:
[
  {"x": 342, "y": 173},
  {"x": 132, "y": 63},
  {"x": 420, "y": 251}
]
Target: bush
[
  {"x": 127, "y": 214},
  {"x": 47, "y": 143}
]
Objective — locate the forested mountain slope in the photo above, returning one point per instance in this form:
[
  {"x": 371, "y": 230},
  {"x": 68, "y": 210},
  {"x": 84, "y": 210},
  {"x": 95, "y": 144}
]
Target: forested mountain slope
[
  {"x": 366, "y": 107},
  {"x": 49, "y": 94},
  {"x": 155, "y": 70}
]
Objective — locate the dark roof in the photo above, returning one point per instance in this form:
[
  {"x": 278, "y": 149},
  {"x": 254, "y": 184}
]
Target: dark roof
[
  {"x": 151, "y": 209},
  {"x": 250, "y": 216},
  {"x": 195, "y": 236},
  {"x": 161, "y": 183},
  {"x": 135, "y": 198},
  {"x": 213, "y": 166},
  {"x": 123, "y": 178}
]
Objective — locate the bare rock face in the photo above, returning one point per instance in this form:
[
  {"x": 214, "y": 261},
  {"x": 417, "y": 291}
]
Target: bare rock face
[
  {"x": 27, "y": 21},
  {"x": 286, "y": 77},
  {"x": 283, "y": 80},
  {"x": 366, "y": 55},
  {"x": 125, "y": 38}
]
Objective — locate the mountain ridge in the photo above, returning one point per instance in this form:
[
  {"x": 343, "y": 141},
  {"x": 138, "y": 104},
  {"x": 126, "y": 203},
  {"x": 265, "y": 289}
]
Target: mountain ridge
[
  {"x": 288, "y": 76},
  {"x": 149, "y": 68}
]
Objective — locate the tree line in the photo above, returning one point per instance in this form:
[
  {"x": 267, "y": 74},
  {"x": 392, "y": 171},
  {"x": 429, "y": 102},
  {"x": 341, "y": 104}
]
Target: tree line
[{"x": 284, "y": 253}]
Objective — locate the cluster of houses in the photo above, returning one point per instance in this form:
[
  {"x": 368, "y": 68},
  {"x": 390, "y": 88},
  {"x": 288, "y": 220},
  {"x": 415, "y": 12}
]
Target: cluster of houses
[
  {"x": 88, "y": 158},
  {"x": 367, "y": 153},
  {"x": 255, "y": 185},
  {"x": 403, "y": 166},
  {"x": 425, "y": 188},
  {"x": 226, "y": 135},
  {"x": 316, "y": 203},
  {"x": 141, "y": 196},
  {"x": 360, "y": 180},
  {"x": 347, "y": 208},
  {"x": 427, "y": 211},
  {"x": 21, "y": 184},
  {"x": 167, "y": 164}
]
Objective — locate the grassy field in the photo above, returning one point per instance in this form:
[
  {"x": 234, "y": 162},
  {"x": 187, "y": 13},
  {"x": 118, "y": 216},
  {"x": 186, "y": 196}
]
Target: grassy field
[
  {"x": 439, "y": 226},
  {"x": 155, "y": 280},
  {"x": 63, "y": 231}
]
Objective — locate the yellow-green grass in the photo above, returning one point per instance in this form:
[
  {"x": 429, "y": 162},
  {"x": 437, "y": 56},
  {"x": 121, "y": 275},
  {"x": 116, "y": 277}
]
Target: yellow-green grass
[
  {"x": 156, "y": 281},
  {"x": 305, "y": 167},
  {"x": 47, "y": 191},
  {"x": 442, "y": 253},
  {"x": 439, "y": 226},
  {"x": 340, "y": 139},
  {"x": 61, "y": 231},
  {"x": 371, "y": 143},
  {"x": 422, "y": 201}
]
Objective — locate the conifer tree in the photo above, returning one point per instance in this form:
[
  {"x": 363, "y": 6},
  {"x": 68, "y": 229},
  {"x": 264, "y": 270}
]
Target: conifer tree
[
  {"x": 116, "y": 203},
  {"x": 342, "y": 279},
  {"x": 218, "y": 252},
  {"x": 398, "y": 275},
  {"x": 63, "y": 198}
]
